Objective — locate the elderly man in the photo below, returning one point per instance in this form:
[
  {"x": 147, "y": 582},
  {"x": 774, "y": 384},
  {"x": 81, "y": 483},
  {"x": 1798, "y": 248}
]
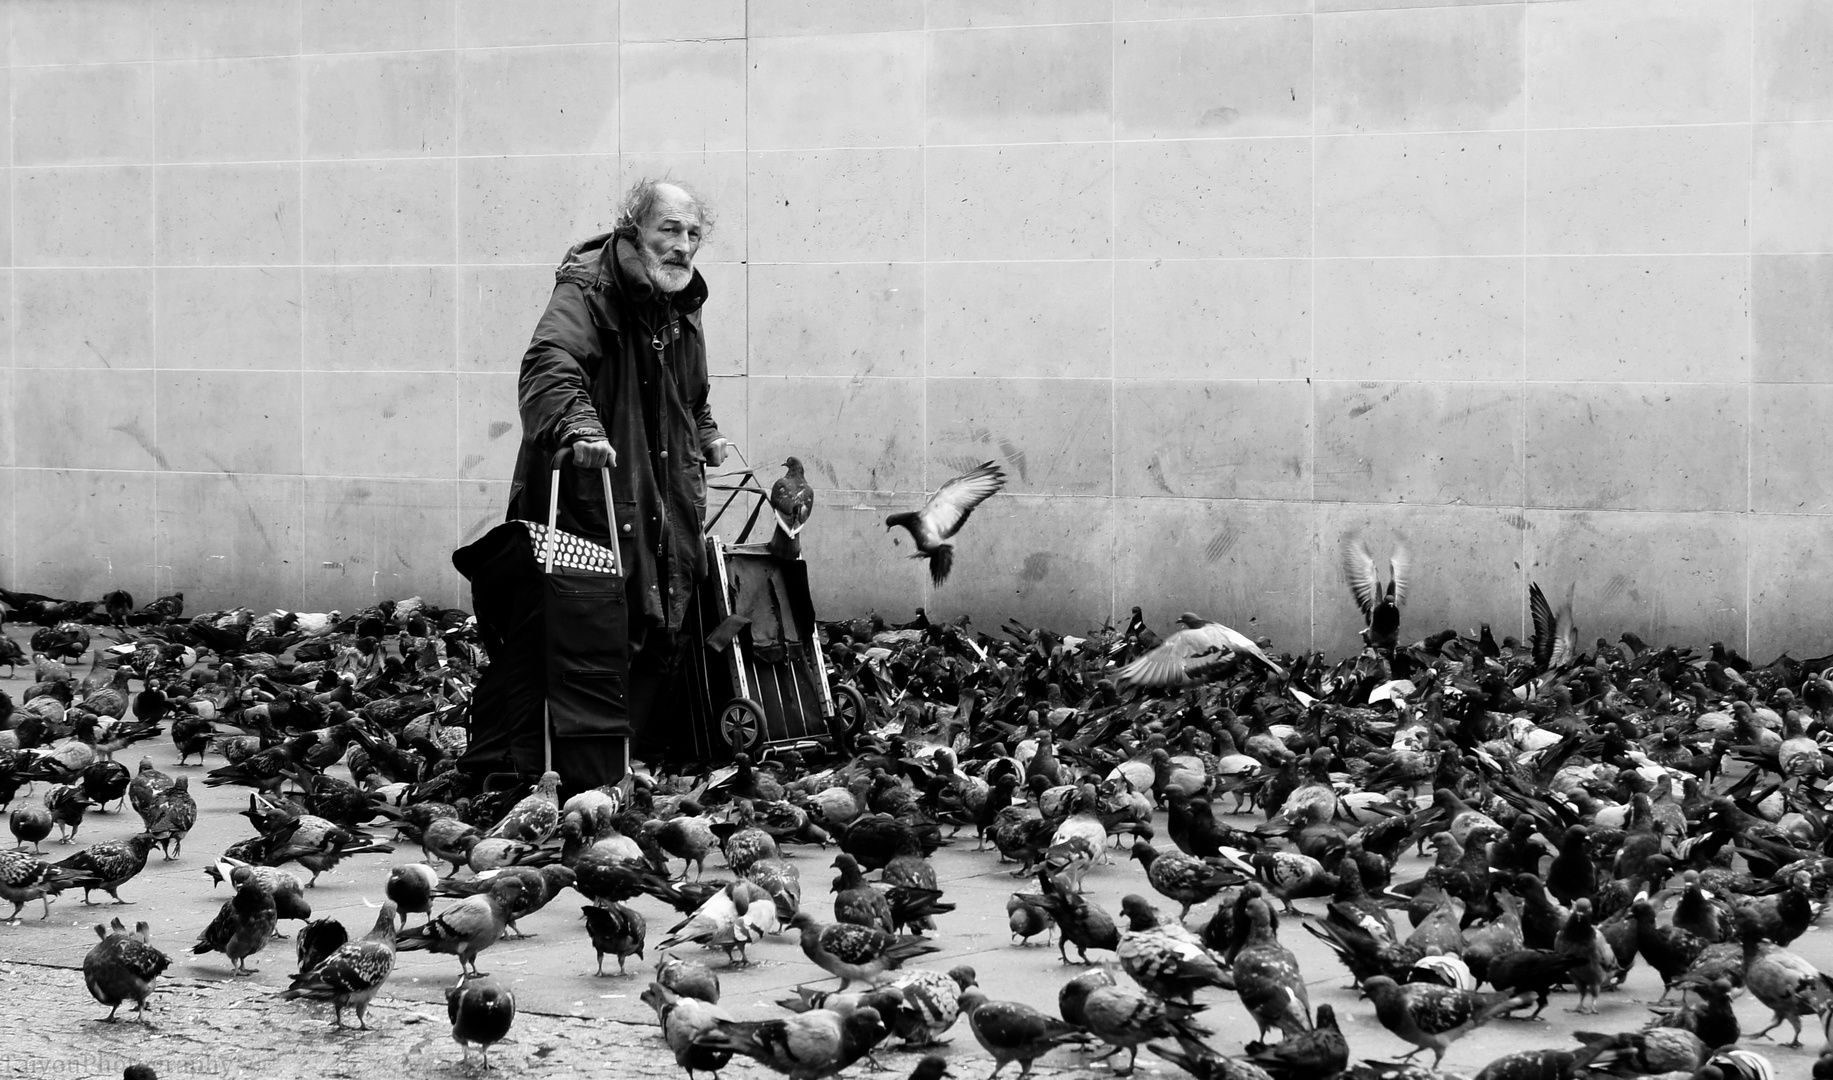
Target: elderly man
[{"x": 617, "y": 370}]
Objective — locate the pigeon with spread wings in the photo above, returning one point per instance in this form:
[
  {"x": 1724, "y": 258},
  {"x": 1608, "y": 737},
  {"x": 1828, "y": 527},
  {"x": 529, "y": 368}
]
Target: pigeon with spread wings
[
  {"x": 1555, "y": 637},
  {"x": 1380, "y": 603},
  {"x": 1190, "y": 653},
  {"x": 943, "y": 515}
]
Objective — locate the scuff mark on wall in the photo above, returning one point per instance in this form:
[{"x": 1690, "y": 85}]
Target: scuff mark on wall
[
  {"x": 1357, "y": 411},
  {"x": 1156, "y": 470},
  {"x": 1222, "y": 543},
  {"x": 1016, "y": 456},
  {"x": 131, "y": 429}
]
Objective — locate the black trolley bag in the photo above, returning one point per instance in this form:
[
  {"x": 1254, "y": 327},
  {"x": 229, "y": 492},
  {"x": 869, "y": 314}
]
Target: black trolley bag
[{"x": 552, "y": 612}]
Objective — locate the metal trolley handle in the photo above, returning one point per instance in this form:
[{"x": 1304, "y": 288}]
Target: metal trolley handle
[
  {"x": 562, "y": 457},
  {"x": 747, "y": 482}
]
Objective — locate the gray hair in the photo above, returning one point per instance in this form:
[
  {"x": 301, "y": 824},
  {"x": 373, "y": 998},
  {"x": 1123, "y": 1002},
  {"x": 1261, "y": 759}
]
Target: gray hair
[{"x": 641, "y": 199}]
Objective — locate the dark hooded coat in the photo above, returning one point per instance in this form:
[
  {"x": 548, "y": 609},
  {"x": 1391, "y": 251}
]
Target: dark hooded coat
[{"x": 613, "y": 359}]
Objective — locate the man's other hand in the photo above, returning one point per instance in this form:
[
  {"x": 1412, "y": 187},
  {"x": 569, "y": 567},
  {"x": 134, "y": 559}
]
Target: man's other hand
[
  {"x": 716, "y": 452},
  {"x": 594, "y": 453}
]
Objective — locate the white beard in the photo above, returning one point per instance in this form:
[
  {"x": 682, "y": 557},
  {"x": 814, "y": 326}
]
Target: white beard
[{"x": 667, "y": 279}]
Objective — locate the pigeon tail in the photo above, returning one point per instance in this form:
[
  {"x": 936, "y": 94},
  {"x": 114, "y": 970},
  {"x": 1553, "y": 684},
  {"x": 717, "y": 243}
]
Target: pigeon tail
[
  {"x": 783, "y": 543},
  {"x": 909, "y": 948},
  {"x": 941, "y": 561}
]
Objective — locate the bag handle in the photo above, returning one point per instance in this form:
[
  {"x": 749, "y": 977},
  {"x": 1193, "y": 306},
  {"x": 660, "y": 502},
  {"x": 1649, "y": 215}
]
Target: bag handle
[{"x": 562, "y": 457}]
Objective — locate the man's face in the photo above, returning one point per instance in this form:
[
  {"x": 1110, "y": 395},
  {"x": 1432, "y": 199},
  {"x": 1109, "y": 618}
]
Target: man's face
[{"x": 669, "y": 240}]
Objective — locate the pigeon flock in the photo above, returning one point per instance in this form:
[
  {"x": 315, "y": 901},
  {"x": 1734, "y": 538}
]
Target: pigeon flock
[{"x": 1477, "y": 829}]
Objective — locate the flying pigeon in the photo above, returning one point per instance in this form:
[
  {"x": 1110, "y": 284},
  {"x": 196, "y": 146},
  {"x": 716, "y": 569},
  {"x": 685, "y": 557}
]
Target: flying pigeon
[
  {"x": 1185, "y": 654},
  {"x": 1555, "y": 636},
  {"x": 1380, "y": 604},
  {"x": 944, "y": 514}
]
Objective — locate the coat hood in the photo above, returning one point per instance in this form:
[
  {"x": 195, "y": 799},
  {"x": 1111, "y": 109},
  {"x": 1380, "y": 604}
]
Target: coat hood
[{"x": 607, "y": 261}]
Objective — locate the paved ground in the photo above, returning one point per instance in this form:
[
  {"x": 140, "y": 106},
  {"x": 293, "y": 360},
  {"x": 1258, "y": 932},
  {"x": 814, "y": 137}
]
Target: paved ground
[{"x": 207, "y": 1022}]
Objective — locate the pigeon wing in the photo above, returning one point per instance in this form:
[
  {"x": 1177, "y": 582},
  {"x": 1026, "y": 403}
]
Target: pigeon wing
[
  {"x": 933, "y": 1009},
  {"x": 1359, "y": 569},
  {"x": 18, "y": 871},
  {"x": 1235, "y": 639},
  {"x": 1398, "y": 564},
  {"x": 1009, "y": 1025},
  {"x": 856, "y": 945},
  {"x": 792, "y": 503},
  {"x": 812, "y": 1039},
  {"x": 356, "y": 967},
  {"x": 948, "y": 509},
  {"x": 1438, "y": 1009},
  {"x": 1168, "y": 665},
  {"x": 1546, "y": 627},
  {"x": 142, "y": 959},
  {"x": 460, "y": 921},
  {"x": 1262, "y": 977},
  {"x": 220, "y": 929},
  {"x": 1565, "y": 640},
  {"x": 782, "y": 498}
]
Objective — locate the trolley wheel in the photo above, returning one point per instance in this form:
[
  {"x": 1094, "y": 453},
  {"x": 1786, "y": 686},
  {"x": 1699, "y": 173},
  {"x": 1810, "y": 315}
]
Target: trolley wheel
[
  {"x": 849, "y": 708},
  {"x": 741, "y": 723}
]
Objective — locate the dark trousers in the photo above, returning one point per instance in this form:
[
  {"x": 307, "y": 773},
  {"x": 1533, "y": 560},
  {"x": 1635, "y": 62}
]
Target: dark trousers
[{"x": 653, "y": 712}]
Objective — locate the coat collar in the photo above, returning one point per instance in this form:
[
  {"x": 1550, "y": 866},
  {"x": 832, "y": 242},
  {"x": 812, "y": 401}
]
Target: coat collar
[
  {"x": 608, "y": 263},
  {"x": 591, "y": 264}
]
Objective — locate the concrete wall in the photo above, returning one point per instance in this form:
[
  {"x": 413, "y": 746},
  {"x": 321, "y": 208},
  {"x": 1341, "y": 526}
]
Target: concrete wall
[{"x": 1542, "y": 287}]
